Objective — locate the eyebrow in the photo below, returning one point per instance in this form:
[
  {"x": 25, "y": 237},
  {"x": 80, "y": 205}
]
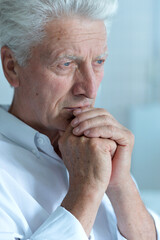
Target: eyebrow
[
  {"x": 71, "y": 57},
  {"x": 102, "y": 55},
  {"x": 77, "y": 58}
]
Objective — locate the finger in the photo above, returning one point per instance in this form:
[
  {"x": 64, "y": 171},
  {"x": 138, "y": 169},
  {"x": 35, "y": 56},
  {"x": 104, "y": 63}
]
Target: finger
[
  {"x": 91, "y": 113},
  {"x": 97, "y": 121},
  {"x": 109, "y": 145},
  {"x": 65, "y": 134},
  {"x": 120, "y": 136},
  {"x": 82, "y": 110}
]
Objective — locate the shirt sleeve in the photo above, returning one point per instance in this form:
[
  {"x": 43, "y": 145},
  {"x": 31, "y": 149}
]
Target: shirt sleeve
[
  {"x": 10, "y": 236},
  {"x": 60, "y": 225},
  {"x": 119, "y": 236}
]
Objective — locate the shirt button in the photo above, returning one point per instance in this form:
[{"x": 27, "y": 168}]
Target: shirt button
[{"x": 40, "y": 141}]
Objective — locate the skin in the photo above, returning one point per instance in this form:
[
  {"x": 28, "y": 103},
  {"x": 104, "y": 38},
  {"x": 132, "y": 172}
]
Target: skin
[
  {"x": 55, "y": 94},
  {"x": 64, "y": 87}
]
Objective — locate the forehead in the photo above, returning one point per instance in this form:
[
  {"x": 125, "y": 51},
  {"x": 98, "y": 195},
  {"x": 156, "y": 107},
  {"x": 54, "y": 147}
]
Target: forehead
[{"x": 75, "y": 35}]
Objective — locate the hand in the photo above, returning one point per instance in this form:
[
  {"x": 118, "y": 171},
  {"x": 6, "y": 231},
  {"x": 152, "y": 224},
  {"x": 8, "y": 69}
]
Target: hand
[
  {"x": 88, "y": 160},
  {"x": 134, "y": 221},
  {"x": 98, "y": 123}
]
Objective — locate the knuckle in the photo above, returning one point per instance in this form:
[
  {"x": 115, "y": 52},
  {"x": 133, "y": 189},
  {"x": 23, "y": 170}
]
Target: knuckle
[
  {"x": 114, "y": 144},
  {"x": 130, "y": 134},
  {"x": 106, "y": 112},
  {"x": 110, "y": 144},
  {"x": 93, "y": 143},
  {"x": 103, "y": 110},
  {"x": 106, "y": 118},
  {"x": 111, "y": 128},
  {"x": 82, "y": 139},
  {"x": 132, "y": 137},
  {"x": 107, "y": 148}
]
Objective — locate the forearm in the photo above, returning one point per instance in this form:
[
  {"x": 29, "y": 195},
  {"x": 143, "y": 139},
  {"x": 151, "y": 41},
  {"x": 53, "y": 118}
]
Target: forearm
[
  {"x": 134, "y": 221},
  {"x": 84, "y": 206}
]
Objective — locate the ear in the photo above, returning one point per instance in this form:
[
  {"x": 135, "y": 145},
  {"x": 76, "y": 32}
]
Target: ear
[{"x": 10, "y": 66}]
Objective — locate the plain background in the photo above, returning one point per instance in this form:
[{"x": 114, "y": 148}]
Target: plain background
[{"x": 131, "y": 86}]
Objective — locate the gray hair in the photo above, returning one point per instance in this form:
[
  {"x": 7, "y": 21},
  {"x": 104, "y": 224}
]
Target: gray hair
[{"x": 22, "y": 22}]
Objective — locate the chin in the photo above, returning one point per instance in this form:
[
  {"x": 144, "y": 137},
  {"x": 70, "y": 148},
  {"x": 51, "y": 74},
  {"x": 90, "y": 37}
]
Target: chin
[
  {"x": 61, "y": 121},
  {"x": 63, "y": 124}
]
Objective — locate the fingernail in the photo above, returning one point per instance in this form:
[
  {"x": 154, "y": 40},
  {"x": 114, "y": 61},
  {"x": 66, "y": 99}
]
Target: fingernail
[
  {"x": 76, "y": 130},
  {"x": 77, "y": 111},
  {"x": 74, "y": 122}
]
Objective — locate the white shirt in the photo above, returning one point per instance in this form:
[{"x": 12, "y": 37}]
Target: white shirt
[{"x": 33, "y": 183}]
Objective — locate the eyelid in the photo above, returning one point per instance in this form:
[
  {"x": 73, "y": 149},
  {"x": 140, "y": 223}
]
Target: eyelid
[
  {"x": 102, "y": 57},
  {"x": 61, "y": 65},
  {"x": 103, "y": 60}
]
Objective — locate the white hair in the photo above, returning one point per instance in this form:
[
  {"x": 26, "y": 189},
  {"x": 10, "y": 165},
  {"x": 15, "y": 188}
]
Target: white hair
[{"x": 22, "y": 22}]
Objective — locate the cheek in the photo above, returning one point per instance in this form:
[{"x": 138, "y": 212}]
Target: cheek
[
  {"x": 58, "y": 85},
  {"x": 52, "y": 89},
  {"x": 100, "y": 78},
  {"x": 44, "y": 86}
]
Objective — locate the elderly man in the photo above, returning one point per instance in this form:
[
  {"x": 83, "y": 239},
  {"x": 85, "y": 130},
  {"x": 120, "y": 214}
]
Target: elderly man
[{"x": 64, "y": 165}]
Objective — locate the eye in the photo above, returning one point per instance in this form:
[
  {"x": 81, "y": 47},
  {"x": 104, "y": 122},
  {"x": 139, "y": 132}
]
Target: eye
[
  {"x": 64, "y": 65},
  {"x": 100, "y": 62},
  {"x": 67, "y": 64}
]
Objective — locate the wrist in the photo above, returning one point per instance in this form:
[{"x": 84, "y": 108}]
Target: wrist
[
  {"x": 83, "y": 195},
  {"x": 83, "y": 205},
  {"x": 134, "y": 221},
  {"x": 123, "y": 186}
]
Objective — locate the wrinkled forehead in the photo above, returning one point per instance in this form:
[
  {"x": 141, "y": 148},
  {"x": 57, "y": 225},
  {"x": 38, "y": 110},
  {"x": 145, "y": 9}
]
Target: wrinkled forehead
[{"x": 76, "y": 32}]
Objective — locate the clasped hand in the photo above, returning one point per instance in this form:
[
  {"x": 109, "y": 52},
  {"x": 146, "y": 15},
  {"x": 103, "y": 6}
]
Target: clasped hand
[{"x": 96, "y": 150}]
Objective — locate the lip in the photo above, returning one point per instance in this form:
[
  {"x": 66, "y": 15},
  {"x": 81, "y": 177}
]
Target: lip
[{"x": 74, "y": 108}]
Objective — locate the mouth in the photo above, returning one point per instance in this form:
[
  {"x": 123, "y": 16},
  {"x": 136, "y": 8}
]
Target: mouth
[
  {"x": 74, "y": 108},
  {"x": 71, "y": 108}
]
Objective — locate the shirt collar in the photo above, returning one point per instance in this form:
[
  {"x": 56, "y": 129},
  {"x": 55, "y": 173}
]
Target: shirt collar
[
  {"x": 23, "y": 135},
  {"x": 16, "y": 130}
]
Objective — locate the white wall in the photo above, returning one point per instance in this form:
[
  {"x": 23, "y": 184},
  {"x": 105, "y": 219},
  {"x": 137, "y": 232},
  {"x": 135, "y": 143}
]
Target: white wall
[
  {"x": 131, "y": 88},
  {"x": 131, "y": 81},
  {"x": 130, "y": 53}
]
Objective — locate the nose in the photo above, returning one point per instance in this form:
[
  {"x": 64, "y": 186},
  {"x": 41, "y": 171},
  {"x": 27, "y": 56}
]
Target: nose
[{"x": 85, "y": 82}]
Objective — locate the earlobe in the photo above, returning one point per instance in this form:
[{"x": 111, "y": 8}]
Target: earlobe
[{"x": 10, "y": 67}]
